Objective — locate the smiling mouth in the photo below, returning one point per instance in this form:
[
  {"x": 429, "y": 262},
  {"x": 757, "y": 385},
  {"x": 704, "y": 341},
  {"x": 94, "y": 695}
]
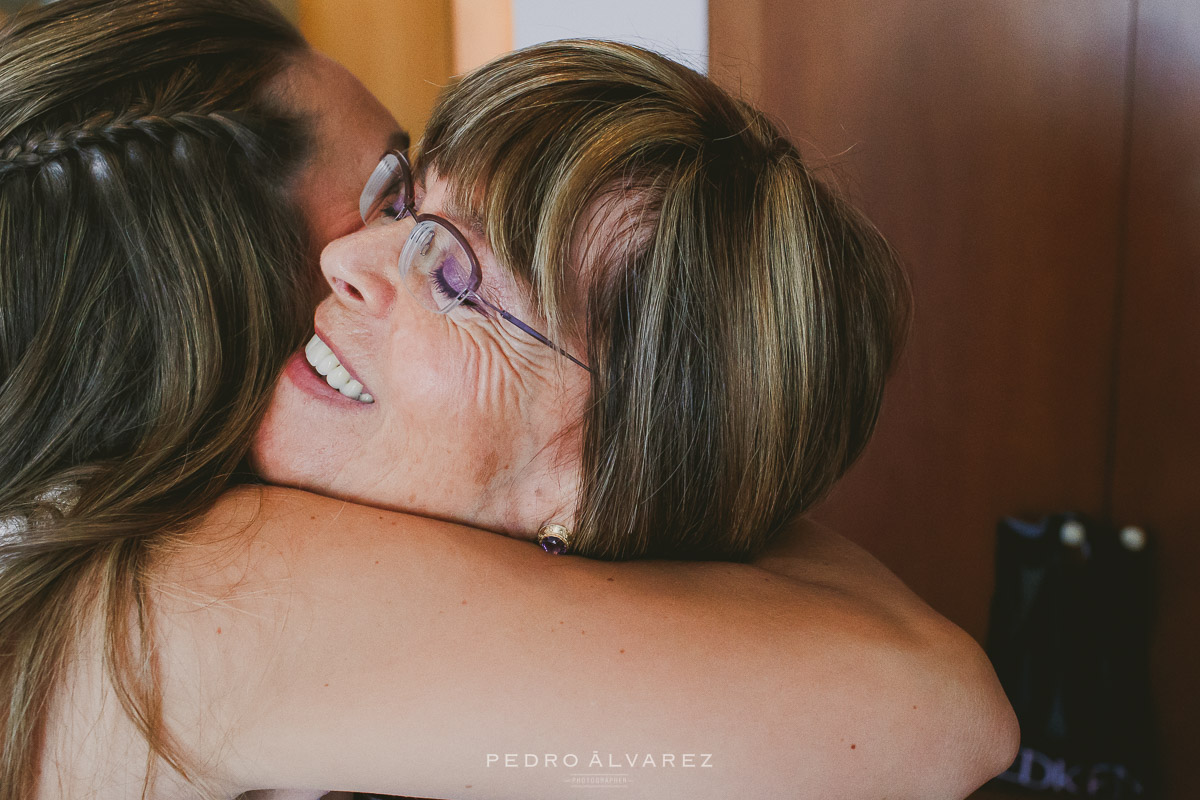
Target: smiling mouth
[{"x": 320, "y": 356}]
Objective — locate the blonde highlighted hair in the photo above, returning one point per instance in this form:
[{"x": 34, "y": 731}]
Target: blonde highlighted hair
[{"x": 741, "y": 318}]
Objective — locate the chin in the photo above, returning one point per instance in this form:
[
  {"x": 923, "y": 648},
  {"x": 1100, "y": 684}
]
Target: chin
[{"x": 275, "y": 457}]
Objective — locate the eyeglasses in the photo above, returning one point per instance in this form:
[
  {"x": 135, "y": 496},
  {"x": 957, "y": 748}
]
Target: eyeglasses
[{"x": 437, "y": 266}]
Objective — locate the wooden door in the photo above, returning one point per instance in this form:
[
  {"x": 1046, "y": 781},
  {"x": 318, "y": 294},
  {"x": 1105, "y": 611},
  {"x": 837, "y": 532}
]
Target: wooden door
[
  {"x": 1156, "y": 452},
  {"x": 1038, "y": 167}
]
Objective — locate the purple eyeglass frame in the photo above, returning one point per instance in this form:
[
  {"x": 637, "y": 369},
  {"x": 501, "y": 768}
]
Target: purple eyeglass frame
[{"x": 367, "y": 207}]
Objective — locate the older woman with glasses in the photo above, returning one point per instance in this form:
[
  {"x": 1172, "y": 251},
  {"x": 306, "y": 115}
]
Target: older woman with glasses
[
  {"x": 171, "y": 628},
  {"x": 651, "y": 327}
]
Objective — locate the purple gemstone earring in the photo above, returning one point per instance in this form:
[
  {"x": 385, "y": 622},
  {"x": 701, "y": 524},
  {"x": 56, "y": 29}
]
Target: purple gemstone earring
[{"x": 555, "y": 539}]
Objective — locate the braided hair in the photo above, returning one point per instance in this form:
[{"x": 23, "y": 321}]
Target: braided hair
[
  {"x": 150, "y": 259},
  {"x": 109, "y": 130}
]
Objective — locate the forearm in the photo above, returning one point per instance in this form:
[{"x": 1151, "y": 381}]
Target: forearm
[{"x": 397, "y": 661}]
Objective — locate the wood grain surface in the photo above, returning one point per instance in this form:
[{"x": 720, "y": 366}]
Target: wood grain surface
[
  {"x": 987, "y": 144},
  {"x": 1156, "y": 464},
  {"x": 1038, "y": 167}
]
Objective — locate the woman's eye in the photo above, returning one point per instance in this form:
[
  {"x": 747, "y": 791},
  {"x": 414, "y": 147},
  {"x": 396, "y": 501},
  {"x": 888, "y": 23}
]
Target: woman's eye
[
  {"x": 386, "y": 207},
  {"x": 457, "y": 274},
  {"x": 452, "y": 279},
  {"x": 389, "y": 207}
]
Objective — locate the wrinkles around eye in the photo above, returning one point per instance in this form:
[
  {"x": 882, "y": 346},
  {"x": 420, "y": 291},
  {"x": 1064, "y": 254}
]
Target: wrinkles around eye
[{"x": 497, "y": 355}]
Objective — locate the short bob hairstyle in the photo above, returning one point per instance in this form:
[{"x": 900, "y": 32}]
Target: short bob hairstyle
[{"x": 741, "y": 318}]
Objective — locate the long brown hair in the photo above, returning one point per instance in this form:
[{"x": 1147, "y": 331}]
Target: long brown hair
[
  {"x": 149, "y": 259},
  {"x": 742, "y": 318}
]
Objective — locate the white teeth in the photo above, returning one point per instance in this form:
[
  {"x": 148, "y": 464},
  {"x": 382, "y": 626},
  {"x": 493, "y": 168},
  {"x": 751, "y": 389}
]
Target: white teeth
[
  {"x": 338, "y": 376},
  {"x": 327, "y": 364},
  {"x": 314, "y": 347},
  {"x": 322, "y": 359}
]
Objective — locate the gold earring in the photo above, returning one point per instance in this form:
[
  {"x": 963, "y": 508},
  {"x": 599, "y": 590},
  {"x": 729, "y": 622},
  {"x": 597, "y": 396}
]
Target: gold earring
[{"x": 554, "y": 538}]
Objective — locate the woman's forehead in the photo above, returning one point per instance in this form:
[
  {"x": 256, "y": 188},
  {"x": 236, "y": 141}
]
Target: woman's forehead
[{"x": 434, "y": 190}]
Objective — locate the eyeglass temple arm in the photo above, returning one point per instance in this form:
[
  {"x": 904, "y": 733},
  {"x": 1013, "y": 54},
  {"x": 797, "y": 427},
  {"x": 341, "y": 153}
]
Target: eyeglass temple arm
[{"x": 510, "y": 318}]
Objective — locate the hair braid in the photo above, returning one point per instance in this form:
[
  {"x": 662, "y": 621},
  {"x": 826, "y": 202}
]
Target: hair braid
[{"x": 135, "y": 128}]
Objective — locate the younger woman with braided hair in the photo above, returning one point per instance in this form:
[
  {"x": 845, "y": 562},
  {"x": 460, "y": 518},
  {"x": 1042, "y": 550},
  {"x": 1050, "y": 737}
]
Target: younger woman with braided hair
[
  {"x": 168, "y": 628},
  {"x": 156, "y": 270}
]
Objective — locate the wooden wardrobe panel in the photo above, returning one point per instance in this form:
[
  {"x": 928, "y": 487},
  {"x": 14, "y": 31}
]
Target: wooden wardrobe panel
[
  {"x": 985, "y": 139},
  {"x": 1156, "y": 475},
  {"x": 737, "y": 48}
]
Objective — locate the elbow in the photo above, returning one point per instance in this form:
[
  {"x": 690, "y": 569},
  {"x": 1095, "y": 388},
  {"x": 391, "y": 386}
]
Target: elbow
[
  {"x": 981, "y": 732},
  {"x": 999, "y": 732},
  {"x": 1005, "y": 731},
  {"x": 994, "y": 739}
]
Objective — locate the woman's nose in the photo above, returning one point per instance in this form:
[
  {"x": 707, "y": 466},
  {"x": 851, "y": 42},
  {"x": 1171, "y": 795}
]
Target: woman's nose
[{"x": 362, "y": 267}]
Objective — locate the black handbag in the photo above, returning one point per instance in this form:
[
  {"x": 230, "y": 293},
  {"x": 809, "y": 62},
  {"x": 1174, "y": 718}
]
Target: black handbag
[{"x": 1068, "y": 637}]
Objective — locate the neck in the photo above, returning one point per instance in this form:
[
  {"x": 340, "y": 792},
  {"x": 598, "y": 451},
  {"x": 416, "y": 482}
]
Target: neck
[{"x": 518, "y": 502}]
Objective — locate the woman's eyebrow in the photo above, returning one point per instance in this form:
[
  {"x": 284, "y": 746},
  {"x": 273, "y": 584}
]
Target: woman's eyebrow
[
  {"x": 399, "y": 141},
  {"x": 463, "y": 218}
]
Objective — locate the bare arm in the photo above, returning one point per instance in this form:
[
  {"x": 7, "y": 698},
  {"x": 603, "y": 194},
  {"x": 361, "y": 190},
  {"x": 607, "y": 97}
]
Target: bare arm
[
  {"x": 343, "y": 647},
  {"x": 983, "y": 720}
]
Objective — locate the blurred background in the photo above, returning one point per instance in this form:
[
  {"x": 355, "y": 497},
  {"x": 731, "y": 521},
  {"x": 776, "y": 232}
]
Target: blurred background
[
  {"x": 405, "y": 51},
  {"x": 1037, "y": 165}
]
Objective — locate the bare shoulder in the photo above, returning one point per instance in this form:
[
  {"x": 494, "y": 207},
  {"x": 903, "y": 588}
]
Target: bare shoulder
[
  {"x": 814, "y": 555},
  {"x": 813, "y": 552}
]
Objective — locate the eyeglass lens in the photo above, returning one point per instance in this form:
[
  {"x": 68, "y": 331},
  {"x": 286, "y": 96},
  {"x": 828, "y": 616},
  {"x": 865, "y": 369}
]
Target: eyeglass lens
[
  {"x": 386, "y": 191},
  {"x": 435, "y": 268}
]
